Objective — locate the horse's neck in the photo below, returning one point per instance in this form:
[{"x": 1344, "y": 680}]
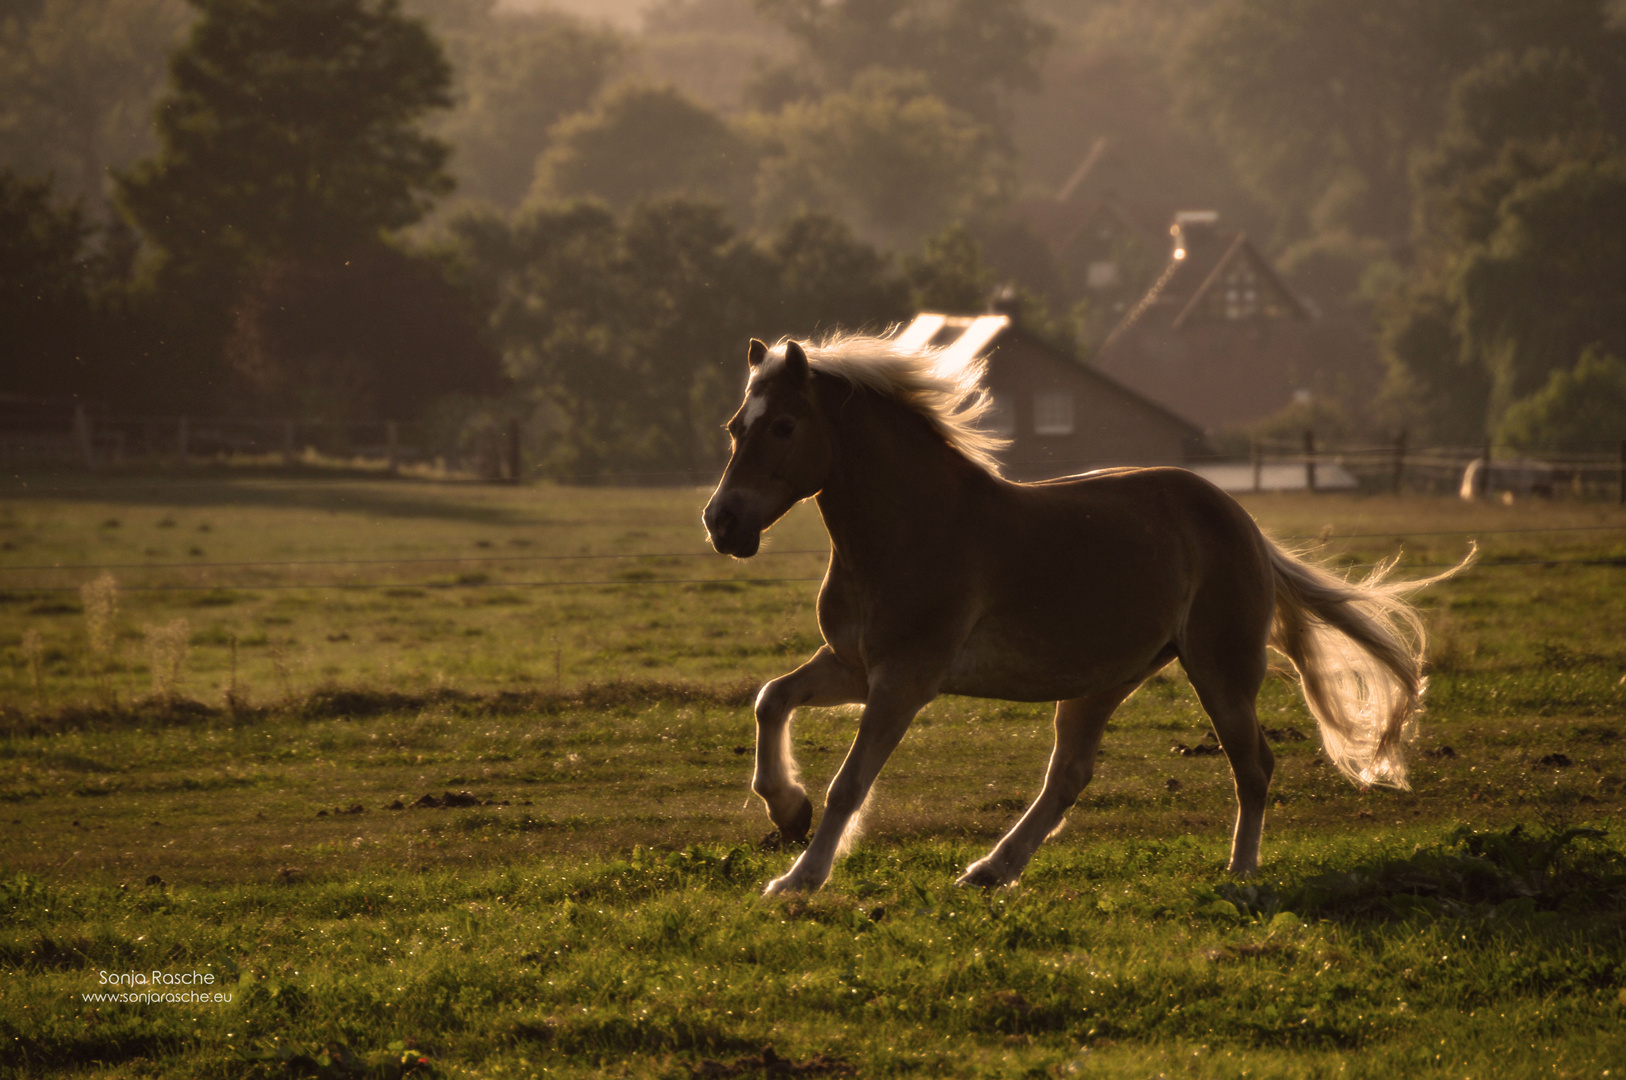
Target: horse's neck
[{"x": 893, "y": 482}]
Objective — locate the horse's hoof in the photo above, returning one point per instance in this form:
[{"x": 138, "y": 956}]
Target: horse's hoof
[
  {"x": 795, "y": 830},
  {"x": 981, "y": 876},
  {"x": 788, "y": 885}
]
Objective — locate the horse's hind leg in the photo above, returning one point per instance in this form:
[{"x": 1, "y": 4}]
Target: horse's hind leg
[
  {"x": 1079, "y": 724},
  {"x": 1226, "y": 672},
  {"x": 823, "y": 680}
]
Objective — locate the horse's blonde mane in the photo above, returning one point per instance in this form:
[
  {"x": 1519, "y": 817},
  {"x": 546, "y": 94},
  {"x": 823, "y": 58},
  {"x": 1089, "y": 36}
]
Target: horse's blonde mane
[{"x": 943, "y": 387}]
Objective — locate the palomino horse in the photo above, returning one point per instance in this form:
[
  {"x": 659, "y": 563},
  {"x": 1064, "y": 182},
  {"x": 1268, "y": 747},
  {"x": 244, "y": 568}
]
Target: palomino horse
[{"x": 946, "y": 578}]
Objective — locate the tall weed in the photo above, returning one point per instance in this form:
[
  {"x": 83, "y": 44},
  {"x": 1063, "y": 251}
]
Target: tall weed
[
  {"x": 34, "y": 654},
  {"x": 166, "y": 655},
  {"x": 101, "y": 603}
]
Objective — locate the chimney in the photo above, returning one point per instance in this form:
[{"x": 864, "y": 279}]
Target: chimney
[{"x": 1194, "y": 231}]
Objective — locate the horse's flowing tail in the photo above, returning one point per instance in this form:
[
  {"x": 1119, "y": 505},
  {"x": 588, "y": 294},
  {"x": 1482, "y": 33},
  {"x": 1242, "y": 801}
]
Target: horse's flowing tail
[{"x": 1358, "y": 647}]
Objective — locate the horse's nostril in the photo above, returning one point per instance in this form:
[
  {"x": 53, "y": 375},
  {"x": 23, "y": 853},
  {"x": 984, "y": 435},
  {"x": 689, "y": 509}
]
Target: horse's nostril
[{"x": 719, "y": 523}]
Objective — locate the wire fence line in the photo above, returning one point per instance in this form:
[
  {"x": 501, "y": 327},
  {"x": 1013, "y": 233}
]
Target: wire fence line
[
  {"x": 417, "y": 560},
  {"x": 1614, "y": 561},
  {"x": 90, "y": 437},
  {"x": 412, "y": 561},
  {"x": 433, "y": 586}
]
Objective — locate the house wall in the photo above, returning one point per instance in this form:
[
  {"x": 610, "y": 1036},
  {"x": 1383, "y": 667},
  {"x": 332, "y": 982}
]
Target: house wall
[{"x": 1109, "y": 426}]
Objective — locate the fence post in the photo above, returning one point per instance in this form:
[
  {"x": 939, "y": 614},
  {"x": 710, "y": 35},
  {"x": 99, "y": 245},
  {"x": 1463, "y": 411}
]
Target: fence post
[
  {"x": 82, "y": 435},
  {"x": 288, "y": 444},
  {"x": 513, "y": 450},
  {"x": 182, "y": 434},
  {"x": 392, "y": 444},
  {"x": 1485, "y": 472},
  {"x": 1257, "y": 460},
  {"x": 1400, "y": 461},
  {"x": 1309, "y": 460},
  {"x": 1623, "y": 472}
]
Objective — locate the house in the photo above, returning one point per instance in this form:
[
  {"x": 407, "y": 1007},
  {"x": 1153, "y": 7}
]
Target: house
[
  {"x": 1218, "y": 337},
  {"x": 1061, "y": 416},
  {"x": 1106, "y": 250}
]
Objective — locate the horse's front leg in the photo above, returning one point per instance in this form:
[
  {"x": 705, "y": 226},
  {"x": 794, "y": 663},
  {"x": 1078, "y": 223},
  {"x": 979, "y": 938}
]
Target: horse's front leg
[
  {"x": 823, "y": 680},
  {"x": 890, "y": 707},
  {"x": 1079, "y": 724}
]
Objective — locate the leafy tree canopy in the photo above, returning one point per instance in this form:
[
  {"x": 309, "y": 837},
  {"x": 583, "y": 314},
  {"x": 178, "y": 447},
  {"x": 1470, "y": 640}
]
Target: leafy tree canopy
[
  {"x": 1547, "y": 284},
  {"x": 378, "y": 336},
  {"x": 973, "y": 54},
  {"x": 78, "y": 79},
  {"x": 629, "y": 333},
  {"x": 948, "y": 274},
  {"x": 517, "y": 75},
  {"x": 827, "y": 279},
  {"x": 886, "y": 155},
  {"x": 1580, "y": 409},
  {"x": 1512, "y": 243},
  {"x": 1323, "y": 104},
  {"x": 646, "y": 142},
  {"x": 1511, "y": 119},
  {"x": 291, "y": 127},
  {"x": 622, "y": 332},
  {"x": 45, "y": 288}
]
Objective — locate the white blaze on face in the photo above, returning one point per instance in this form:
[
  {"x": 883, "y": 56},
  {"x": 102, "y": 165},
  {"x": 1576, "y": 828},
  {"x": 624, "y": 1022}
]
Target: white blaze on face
[{"x": 755, "y": 406}]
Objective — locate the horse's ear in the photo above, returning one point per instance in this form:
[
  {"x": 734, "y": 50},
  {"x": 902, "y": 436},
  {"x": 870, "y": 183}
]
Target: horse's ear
[
  {"x": 756, "y": 352},
  {"x": 795, "y": 361}
]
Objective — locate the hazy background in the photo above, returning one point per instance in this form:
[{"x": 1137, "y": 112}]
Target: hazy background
[{"x": 455, "y": 211}]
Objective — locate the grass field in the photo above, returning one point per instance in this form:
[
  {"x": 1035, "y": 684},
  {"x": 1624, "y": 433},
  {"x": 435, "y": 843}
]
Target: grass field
[{"x": 574, "y": 669}]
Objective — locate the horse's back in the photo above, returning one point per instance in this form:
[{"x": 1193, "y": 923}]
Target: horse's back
[
  {"x": 1088, "y": 580},
  {"x": 1149, "y": 504}
]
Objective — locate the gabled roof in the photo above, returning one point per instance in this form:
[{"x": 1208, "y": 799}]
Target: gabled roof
[
  {"x": 975, "y": 335},
  {"x": 1210, "y": 274},
  {"x": 1081, "y": 221}
]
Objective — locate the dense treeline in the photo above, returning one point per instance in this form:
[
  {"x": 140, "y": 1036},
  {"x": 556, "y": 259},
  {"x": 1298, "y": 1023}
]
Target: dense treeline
[{"x": 368, "y": 208}]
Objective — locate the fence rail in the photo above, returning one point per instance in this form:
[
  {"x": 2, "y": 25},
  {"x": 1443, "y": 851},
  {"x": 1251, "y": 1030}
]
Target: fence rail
[
  {"x": 77, "y": 434},
  {"x": 36, "y": 432}
]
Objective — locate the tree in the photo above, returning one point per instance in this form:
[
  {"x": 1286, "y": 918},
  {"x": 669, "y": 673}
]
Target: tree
[
  {"x": 1547, "y": 284},
  {"x": 1511, "y": 119},
  {"x": 1323, "y": 104},
  {"x": 697, "y": 290},
  {"x": 292, "y": 128},
  {"x": 517, "y": 75},
  {"x": 550, "y": 282},
  {"x": 290, "y": 133},
  {"x": 828, "y": 279},
  {"x": 46, "y": 306},
  {"x": 646, "y": 142},
  {"x": 947, "y": 273},
  {"x": 972, "y": 54},
  {"x": 78, "y": 79},
  {"x": 1580, "y": 409},
  {"x": 887, "y": 155},
  {"x": 1433, "y": 387},
  {"x": 378, "y": 336},
  {"x": 626, "y": 334},
  {"x": 1496, "y": 297}
]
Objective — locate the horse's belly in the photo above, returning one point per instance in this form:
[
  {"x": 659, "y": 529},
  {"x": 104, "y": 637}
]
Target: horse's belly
[{"x": 995, "y": 665}]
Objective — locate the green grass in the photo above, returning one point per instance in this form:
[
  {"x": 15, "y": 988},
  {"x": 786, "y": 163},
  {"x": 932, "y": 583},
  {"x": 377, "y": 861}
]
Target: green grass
[{"x": 594, "y": 909}]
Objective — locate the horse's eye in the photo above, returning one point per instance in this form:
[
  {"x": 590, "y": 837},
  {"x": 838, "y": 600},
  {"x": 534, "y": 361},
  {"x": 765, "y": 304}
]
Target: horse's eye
[{"x": 783, "y": 426}]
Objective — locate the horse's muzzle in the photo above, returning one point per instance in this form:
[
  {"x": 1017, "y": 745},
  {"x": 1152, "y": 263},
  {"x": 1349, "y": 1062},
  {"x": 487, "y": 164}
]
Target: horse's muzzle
[{"x": 730, "y": 534}]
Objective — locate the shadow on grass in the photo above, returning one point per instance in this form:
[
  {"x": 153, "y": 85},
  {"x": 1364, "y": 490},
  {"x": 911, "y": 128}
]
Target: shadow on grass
[
  {"x": 1494, "y": 876},
  {"x": 345, "y": 703},
  {"x": 369, "y": 494}
]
